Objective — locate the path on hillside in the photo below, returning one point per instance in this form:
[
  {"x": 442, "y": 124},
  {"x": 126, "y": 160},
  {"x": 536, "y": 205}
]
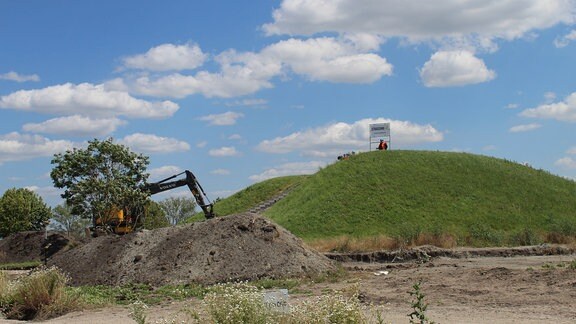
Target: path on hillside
[{"x": 268, "y": 203}]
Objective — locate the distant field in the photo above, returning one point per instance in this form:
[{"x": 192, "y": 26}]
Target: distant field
[{"x": 409, "y": 197}]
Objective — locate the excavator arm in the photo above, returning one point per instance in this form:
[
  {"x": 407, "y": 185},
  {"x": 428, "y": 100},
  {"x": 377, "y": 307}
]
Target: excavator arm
[{"x": 193, "y": 185}]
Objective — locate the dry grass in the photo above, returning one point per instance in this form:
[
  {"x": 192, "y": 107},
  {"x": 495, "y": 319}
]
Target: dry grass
[
  {"x": 40, "y": 295},
  {"x": 559, "y": 238},
  {"x": 353, "y": 244},
  {"x": 378, "y": 243}
]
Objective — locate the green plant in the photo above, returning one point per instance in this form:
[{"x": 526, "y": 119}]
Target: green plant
[
  {"x": 418, "y": 305},
  {"x": 138, "y": 313},
  {"x": 22, "y": 210},
  {"x": 20, "y": 265},
  {"x": 5, "y": 291},
  {"x": 243, "y": 303},
  {"x": 40, "y": 295},
  {"x": 330, "y": 308},
  {"x": 525, "y": 236},
  {"x": 552, "y": 266},
  {"x": 482, "y": 235},
  {"x": 238, "y": 303}
]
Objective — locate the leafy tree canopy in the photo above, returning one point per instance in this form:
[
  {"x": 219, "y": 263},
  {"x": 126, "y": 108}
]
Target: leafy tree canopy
[
  {"x": 178, "y": 209},
  {"x": 65, "y": 221},
  {"x": 154, "y": 216},
  {"x": 22, "y": 210},
  {"x": 100, "y": 178}
]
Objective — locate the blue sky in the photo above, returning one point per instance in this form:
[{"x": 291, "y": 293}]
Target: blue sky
[{"x": 242, "y": 91}]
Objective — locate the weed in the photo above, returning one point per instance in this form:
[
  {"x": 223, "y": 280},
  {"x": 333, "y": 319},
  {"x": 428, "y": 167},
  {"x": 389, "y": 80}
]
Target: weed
[
  {"x": 483, "y": 235},
  {"x": 572, "y": 265},
  {"x": 525, "y": 236},
  {"x": 20, "y": 265},
  {"x": 138, "y": 313},
  {"x": 418, "y": 305},
  {"x": 238, "y": 303},
  {"x": 40, "y": 295},
  {"x": 243, "y": 303},
  {"x": 548, "y": 266}
]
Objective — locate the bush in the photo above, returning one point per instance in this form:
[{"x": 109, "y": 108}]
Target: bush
[
  {"x": 239, "y": 303},
  {"x": 482, "y": 235},
  {"x": 525, "y": 236},
  {"x": 331, "y": 308},
  {"x": 40, "y": 295},
  {"x": 5, "y": 289},
  {"x": 243, "y": 303}
]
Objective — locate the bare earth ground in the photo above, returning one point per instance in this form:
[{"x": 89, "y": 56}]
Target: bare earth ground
[
  {"x": 522, "y": 289},
  {"x": 497, "y": 285}
]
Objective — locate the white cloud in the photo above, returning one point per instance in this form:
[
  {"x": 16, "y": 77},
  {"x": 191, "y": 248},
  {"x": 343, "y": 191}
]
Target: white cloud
[
  {"x": 549, "y": 96},
  {"x": 235, "y": 137},
  {"x": 248, "y": 102},
  {"x": 565, "y": 40},
  {"x": 86, "y": 99},
  {"x": 230, "y": 82},
  {"x": 336, "y": 138},
  {"x": 562, "y": 111},
  {"x": 524, "y": 128},
  {"x": 447, "y": 21},
  {"x": 220, "y": 172},
  {"x": 76, "y": 126},
  {"x": 345, "y": 59},
  {"x": 167, "y": 57},
  {"x": 225, "y": 119},
  {"x": 13, "y": 76},
  {"x": 512, "y": 106},
  {"x": 162, "y": 172},
  {"x": 45, "y": 191},
  {"x": 224, "y": 152},
  {"x": 295, "y": 168},
  {"x": 149, "y": 143},
  {"x": 566, "y": 163},
  {"x": 571, "y": 150},
  {"x": 454, "y": 68},
  {"x": 20, "y": 147},
  {"x": 329, "y": 59}
]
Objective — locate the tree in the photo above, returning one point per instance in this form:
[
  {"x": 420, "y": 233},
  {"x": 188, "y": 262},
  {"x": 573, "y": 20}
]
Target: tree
[
  {"x": 65, "y": 221},
  {"x": 154, "y": 216},
  {"x": 22, "y": 210},
  {"x": 178, "y": 209},
  {"x": 100, "y": 179}
]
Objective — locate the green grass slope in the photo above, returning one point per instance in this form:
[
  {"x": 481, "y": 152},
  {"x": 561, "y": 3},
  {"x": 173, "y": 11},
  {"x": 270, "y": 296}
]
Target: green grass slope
[
  {"x": 252, "y": 196},
  {"x": 406, "y": 193}
]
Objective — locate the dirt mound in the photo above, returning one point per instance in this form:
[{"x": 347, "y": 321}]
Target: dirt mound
[
  {"x": 236, "y": 247},
  {"x": 29, "y": 246}
]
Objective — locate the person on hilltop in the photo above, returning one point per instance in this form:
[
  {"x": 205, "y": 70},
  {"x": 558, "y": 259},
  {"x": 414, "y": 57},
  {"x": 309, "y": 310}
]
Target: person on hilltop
[{"x": 383, "y": 146}]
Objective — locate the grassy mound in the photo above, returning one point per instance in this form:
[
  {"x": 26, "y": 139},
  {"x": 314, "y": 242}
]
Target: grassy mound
[{"x": 477, "y": 200}]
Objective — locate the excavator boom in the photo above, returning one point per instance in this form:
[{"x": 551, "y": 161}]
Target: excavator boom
[{"x": 193, "y": 185}]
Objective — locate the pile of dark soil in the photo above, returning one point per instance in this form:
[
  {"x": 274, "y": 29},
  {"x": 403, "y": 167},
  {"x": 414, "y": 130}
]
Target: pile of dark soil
[
  {"x": 237, "y": 247},
  {"x": 31, "y": 246}
]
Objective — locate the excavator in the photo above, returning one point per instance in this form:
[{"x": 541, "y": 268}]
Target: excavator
[{"x": 122, "y": 221}]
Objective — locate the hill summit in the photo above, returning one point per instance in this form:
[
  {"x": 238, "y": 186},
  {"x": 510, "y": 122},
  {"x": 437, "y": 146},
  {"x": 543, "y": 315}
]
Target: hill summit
[{"x": 407, "y": 193}]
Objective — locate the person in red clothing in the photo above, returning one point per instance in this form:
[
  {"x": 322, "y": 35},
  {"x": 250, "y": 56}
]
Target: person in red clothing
[{"x": 383, "y": 146}]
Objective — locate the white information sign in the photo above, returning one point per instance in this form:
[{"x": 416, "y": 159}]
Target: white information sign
[{"x": 379, "y": 130}]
